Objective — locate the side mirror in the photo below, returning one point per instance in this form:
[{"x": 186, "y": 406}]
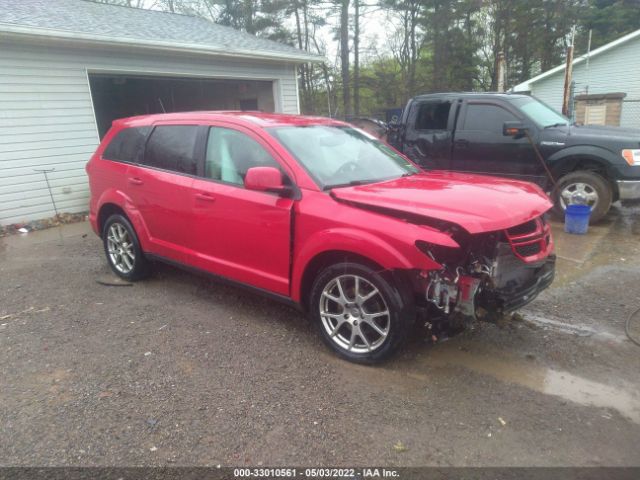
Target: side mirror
[
  {"x": 514, "y": 129},
  {"x": 265, "y": 179}
]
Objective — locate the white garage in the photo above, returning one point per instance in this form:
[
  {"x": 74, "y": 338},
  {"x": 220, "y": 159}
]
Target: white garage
[{"x": 69, "y": 67}]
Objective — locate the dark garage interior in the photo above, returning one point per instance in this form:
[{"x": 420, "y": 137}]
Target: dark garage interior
[{"x": 117, "y": 96}]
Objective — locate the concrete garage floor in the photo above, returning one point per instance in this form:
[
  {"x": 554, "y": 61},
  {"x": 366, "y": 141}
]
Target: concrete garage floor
[{"x": 180, "y": 370}]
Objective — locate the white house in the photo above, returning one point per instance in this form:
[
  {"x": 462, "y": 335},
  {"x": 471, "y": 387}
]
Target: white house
[
  {"x": 69, "y": 67},
  {"x": 607, "y": 84}
]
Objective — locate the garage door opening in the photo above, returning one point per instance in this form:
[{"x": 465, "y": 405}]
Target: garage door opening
[{"x": 117, "y": 96}]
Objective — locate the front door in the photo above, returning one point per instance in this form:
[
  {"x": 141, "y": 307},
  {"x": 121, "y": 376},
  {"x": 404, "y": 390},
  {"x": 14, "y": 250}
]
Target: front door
[
  {"x": 240, "y": 234},
  {"x": 479, "y": 145}
]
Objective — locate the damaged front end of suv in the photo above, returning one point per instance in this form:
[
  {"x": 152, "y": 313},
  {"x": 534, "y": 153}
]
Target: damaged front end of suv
[{"x": 491, "y": 275}]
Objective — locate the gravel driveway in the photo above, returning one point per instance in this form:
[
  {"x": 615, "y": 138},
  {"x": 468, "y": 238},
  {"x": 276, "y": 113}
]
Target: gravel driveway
[{"x": 179, "y": 370}]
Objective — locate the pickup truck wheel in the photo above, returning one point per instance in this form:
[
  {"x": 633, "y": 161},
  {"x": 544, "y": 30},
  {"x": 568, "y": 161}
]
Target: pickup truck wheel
[
  {"x": 360, "y": 315},
  {"x": 122, "y": 249},
  {"x": 595, "y": 189}
]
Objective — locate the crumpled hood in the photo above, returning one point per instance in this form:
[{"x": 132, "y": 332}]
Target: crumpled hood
[{"x": 476, "y": 203}]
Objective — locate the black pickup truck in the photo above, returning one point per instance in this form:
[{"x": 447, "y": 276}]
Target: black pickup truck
[{"x": 473, "y": 132}]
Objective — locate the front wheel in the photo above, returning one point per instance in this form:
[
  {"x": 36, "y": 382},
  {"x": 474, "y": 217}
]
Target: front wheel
[
  {"x": 360, "y": 315},
  {"x": 593, "y": 188}
]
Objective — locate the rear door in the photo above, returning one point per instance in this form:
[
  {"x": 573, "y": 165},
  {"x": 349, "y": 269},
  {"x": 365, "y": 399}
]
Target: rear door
[
  {"x": 427, "y": 138},
  {"x": 240, "y": 234},
  {"x": 160, "y": 187},
  {"x": 480, "y": 147},
  {"x": 124, "y": 150}
]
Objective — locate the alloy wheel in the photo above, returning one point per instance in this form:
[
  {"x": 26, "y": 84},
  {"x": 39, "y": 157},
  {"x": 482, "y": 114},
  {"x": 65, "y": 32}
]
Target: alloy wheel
[
  {"x": 120, "y": 248},
  {"x": 354, "y": 314}
]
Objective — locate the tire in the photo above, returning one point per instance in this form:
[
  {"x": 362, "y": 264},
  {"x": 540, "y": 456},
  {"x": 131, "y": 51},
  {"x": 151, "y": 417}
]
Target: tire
[
  {"x": 348, "y": 324},
  {"x": 594, "y": 186},
  {"x": 128, "y": 261}
]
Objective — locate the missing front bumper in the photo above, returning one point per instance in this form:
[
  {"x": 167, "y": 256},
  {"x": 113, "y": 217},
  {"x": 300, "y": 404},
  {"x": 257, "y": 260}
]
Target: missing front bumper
[
  {"x": 507, "y": 300},
  {"x": 466, "y": 298}
]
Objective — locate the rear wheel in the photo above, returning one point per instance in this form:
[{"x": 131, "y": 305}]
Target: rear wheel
[
  {"x": 122, "y": 249},
  {"x": 360, "y": 315},
  {"x": 595, "y": 190}
]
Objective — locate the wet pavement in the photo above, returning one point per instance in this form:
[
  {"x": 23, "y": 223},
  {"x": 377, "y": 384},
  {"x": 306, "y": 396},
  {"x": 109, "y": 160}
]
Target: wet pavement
[{"x": 177, "y": 370}]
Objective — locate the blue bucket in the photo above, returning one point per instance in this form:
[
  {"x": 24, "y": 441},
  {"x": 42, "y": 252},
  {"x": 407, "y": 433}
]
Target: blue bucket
[{"x": 576, "y": 219}]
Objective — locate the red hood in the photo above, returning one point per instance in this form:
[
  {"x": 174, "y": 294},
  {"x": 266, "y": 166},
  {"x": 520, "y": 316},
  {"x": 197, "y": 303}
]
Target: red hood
[{"x": 475, "y": 202}]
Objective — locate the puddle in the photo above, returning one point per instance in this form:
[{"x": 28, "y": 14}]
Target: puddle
[
  {"x": 55, "y": 234},
  {"x": 613, "y": 241},
  {"x": 590, "y": 393},
  {"x": 548, "y": 381},
  {"x": 578, "y": 330}
]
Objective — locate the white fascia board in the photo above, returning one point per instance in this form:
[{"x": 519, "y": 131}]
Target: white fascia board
[
  {"x": 526, "y": 85},
  {"x": 103, "y": 40}
]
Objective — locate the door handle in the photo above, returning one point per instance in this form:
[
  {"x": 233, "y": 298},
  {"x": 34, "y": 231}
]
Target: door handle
[
  {"x": 205, "y": 197},
  {"x": 462, "y": 143},
  {"x": 135, "y": 181}
]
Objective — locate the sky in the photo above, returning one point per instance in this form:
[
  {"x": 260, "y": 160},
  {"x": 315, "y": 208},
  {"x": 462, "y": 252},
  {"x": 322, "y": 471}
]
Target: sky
[{"x": 375, "y": 27}]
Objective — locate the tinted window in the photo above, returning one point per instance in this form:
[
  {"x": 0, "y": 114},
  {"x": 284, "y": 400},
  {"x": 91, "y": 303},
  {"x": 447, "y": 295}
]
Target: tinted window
[
  {"x": 231, "y": 153},
  {"x": 487, "y": 118},
  {"x": 432, "y": 116},
  {"x": 127, "y": 145},
  {"x": 172, "y": 147}
]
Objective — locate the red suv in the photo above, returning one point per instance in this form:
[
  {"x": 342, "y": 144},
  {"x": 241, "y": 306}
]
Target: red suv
[{"x": 322, "y": 216}]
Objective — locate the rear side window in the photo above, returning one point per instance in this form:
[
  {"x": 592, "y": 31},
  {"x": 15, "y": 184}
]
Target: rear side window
[
  {"x": 486, "y": 118},
  {"x": 172, "y": 147},
  {"x": 127, "y": 145}
]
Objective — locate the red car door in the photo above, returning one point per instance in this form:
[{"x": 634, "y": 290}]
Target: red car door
[
  {"x": 160, "y": 188},
  {"x": 240, "y": 234}
]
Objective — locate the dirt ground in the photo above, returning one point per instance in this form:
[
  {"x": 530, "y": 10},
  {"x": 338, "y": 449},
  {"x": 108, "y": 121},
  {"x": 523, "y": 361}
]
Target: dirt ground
[{"x": 177, "y": 370}]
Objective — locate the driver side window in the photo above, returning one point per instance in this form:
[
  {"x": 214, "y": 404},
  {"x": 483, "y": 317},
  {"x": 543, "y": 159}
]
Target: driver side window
[
  {"x": 486, "y": 118},
  {"x": 231, "y": 153}
]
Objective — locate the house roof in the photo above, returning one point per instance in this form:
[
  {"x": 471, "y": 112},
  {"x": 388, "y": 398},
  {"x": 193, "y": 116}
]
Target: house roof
[
  {"x": 104, "y": 24},
  {"x": 526, "y": 85}
]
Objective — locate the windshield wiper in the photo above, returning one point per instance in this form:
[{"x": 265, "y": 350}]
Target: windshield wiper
[
  {"x": 559, "y": 124},
  {"x": 352, "y": 183}
]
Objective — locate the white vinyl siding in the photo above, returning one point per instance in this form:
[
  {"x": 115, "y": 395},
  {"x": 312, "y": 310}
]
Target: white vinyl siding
[
  {"x": 613, "y": 71},
  {"x": 47, "y": 118}
]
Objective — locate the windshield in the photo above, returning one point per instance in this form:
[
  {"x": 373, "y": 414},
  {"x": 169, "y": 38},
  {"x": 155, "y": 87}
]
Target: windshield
[
  {"x": 542, "y": 114},
  {"x": 337, "y": 156}
]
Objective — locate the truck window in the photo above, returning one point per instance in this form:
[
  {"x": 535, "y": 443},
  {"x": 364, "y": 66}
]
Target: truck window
[
  {"x": 486, "y": 118},
  {"x": 432, "y": 116}
]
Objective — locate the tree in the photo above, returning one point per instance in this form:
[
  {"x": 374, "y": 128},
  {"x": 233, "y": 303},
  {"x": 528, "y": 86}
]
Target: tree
[
  {"x": 608, "y": 19},
  {"x": 406, "y": 41},
  {"x": 344, "y": 57},
  {"x": 356, "y": 57}
]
